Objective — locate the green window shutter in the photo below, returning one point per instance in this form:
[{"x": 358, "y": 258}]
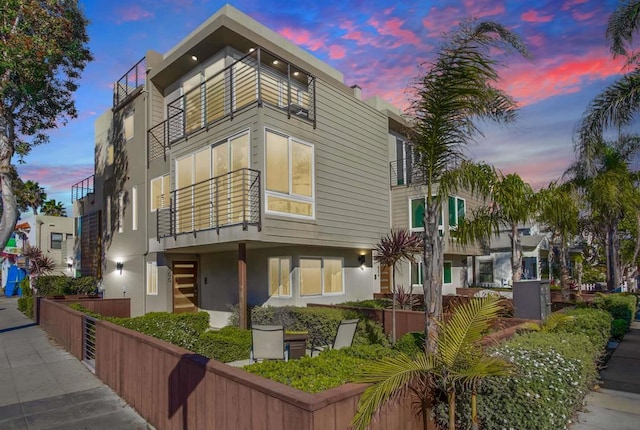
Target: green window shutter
[
  {"x": 447, "y": 272},
  {"x": 461, "y": 208},
  {"x": 417, "y": 213},
  {"x": 453, "y": 219}
]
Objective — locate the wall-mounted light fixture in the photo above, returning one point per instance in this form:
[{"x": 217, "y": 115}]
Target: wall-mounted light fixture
[
  {"x": 120, "y": 266},
  {"x": 69, "y": 266},
  {"x": 194, "y": 58},
  {"x": 361, "y": 260}
]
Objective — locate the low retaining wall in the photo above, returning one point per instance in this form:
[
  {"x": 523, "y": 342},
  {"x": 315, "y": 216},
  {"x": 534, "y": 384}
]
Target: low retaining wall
[
  {"x": 108, "y": 307},
  {"x": 173, "y": 388}
]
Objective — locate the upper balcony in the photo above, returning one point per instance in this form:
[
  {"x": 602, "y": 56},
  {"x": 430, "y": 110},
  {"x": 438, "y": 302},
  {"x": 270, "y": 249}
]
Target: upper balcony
[
  {"x": 404, "y": 173},
  {"x": 259, "y": 78},
  {"x": 129, "y": 83},
  {"x": 83, "y": 188}
]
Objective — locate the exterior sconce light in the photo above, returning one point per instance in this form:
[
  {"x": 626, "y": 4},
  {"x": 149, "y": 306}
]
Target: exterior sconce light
[
  {"x": 69, "y": 266},
  {"x": 120, "y": 266},
  {"x": 361, "y": 260}
]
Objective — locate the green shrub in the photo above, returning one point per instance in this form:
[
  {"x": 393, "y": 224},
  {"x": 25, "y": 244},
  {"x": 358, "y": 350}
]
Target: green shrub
[
  {"x": 320, "y": 323},
  {"x": 371, "y": 303},
  {"x": 594, "y": 323},
  {"x": 25, "y": 305},
  {"x": 63, "y": 285},
  {"x": 179, "y": 329},
  {"x": 553, "y": 374},
  {"x": 620, "y": 306},
  {"x": 25, "y": 288},
  {"x": 619, "y": 329},
  {"x": 330, "y": 369},
  {"x": 411, "y": 343},
  {"x": 225, "y": 345}
]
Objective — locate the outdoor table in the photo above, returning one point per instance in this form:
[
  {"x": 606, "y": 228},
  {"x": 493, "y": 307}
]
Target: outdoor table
[{"x": 297, "y": 344}]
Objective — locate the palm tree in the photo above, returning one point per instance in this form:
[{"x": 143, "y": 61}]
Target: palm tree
[
  {"x": 559, "y": 210},
  {"x": 512, "y": 204},
  {"x": 398, "y": 245},
  {"x": 31, "y": 196},
  {"x": 53, "y": 208},
  {"x": 457, "y": 90},
  {"x": 458, "y": 361}
]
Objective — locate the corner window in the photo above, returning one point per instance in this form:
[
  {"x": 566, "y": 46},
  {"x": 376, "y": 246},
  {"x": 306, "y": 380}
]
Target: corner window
[
  {"x": 160, "y": 193},
  {"x": 280, "y": 277},
  {"x": 321, "y": 276},
  {"x": 457, "y": 210},
  {"x": 416, "y": 215},
  {"x": 56, "y": 240},
  {"x": 152, "y": 278},
  {"x": 417, "y": 273},
  {"x": 128, "y": 126},
  {"x": 289, "y": 177}
]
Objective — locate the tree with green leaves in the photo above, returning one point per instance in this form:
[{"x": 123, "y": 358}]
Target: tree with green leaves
[
  {"x": 398, "y": 245},
  {"x": 30, "y": 196},
  {"x": 459, "y": 362},
  {"x": 43, "y": 50},
  {"x": 458, "y": 90},
  {"x": 560, "y": 212},
  {"x": 512, "y": 203},
  {"x": 53, "y": 208}
]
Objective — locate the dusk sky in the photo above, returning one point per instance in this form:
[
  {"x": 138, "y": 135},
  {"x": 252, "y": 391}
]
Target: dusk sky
[{"x": 376, "y": 44}]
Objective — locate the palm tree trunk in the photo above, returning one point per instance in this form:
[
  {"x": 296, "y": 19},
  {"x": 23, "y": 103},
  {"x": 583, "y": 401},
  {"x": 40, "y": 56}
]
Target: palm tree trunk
[
  {"x": 393, "y": 304},
  {"x": 564, "y": 271},
  {"x": 9, "y": 207},
  {"x": 474, "y": 409},
  {"x": 452, "y": 409},
  {"x": 516, "y": 254},
  {"x": 432, "y": 272},
  {"x": 612, "y": 248}
]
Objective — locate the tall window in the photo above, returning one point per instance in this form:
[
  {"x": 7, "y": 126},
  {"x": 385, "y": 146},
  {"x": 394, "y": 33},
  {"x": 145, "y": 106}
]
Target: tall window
[
  {"x": 160, "y": 193},
  {"x": 446, "y": 272},
  {"x": 290, "y": 176},
  {"x": 416, "y": 215},
  {"x": 152, "y": 278},
  {"x": 56, "y": 240},
  {"x": 134, "y": 208},
  {"x": 280, "y": 276},
  {"x": 457, "y": 210},
  {"x": 121, "y": 212},
  {"x": 404, "y": 162},
  {"x": 320, "y": 276},
  {"x": 128, "y": 126},
  {"x": 485, "y": 272}
]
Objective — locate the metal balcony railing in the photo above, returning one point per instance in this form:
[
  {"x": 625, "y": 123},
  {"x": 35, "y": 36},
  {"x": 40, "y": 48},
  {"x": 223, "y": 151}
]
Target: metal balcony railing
[
  {"x": 83, "y": 188},
  {"x": 129, "y": 82},
  {"x": 403, "y": 173},
  {"x": 258, "y": 78},
  {"x": 224, "y": 201}
]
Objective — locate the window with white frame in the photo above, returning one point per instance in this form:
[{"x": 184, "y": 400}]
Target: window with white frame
[
  {"x": 128, "y": 126},
  {"x": 290, "y": 176},
  {"x": 160, "y": 193},
  {"x": 56, "y": 240},
  {"x": 417, "y": 273},
  {"x": 416, "y": 215},
  {"x": 321, "y": 276},
  {"x": 446, "y": 272},
  {"x": 280, "y": 276},
  {"x": 457, "y": 210},
  {"x": 152, "y": 278},
  {"x": 485, "y": 272}
]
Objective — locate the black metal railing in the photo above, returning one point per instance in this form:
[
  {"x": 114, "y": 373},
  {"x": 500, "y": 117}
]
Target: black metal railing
[
  {"x": 258, "y": 78},
  {"x": 129, "y": 82},
  {"x": 83, "y": 188},
  {"x": 89, "y": 341},
  {"x": 402, "y": 173},
  {"x": 223, "y": 201}
]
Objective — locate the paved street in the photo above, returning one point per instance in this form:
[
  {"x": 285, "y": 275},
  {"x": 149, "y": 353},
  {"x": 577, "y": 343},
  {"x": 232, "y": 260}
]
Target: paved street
[{"x": 44, "y": 387}]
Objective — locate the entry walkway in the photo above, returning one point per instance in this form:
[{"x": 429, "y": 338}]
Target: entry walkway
[
  {"x": 617, "y": 405},
  {"x": 44, "y": 387}
]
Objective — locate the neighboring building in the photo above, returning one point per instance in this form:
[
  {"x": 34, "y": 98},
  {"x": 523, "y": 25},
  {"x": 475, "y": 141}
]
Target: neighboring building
[{"x": 235, "y": 167}]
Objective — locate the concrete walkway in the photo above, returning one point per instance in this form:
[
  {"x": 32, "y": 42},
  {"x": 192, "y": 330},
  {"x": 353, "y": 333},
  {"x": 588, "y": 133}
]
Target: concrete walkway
[
  {"x": 616, "y": 406},
  {"x": 44, "y": 387}
]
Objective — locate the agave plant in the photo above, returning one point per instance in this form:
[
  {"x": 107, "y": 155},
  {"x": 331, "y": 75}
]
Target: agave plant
[{"x": 458, "y": 362}]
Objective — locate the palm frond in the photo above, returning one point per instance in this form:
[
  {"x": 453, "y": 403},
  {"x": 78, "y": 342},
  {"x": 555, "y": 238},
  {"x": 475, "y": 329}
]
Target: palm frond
[
  {"x": 622, "y": 26},
  {"x": 483, "y": 367}
]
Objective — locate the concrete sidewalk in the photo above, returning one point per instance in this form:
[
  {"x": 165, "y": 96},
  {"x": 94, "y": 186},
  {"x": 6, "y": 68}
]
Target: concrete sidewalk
[
  {"x": 617, "y": 405},
  {"x": 44, "y": 387}
]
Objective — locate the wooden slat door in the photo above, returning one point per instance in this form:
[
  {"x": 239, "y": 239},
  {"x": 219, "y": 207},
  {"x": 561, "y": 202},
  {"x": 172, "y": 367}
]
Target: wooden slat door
[
  {"x": 385, "y": 279},
  {"x": 185, "y": 286}
]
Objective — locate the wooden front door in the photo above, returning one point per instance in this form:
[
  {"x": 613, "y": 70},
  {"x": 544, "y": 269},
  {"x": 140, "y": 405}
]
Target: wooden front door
[
  {"x": 385, "y": 279},
  {"x": 185, "y": 286}
]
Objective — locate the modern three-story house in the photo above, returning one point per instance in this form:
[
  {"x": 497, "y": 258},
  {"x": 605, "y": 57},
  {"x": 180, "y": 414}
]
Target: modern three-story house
[{"x": 234, "y": 169}]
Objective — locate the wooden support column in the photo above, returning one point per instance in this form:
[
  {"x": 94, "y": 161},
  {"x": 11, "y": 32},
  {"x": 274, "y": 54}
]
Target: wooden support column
[{"x": 242, "y": 284}]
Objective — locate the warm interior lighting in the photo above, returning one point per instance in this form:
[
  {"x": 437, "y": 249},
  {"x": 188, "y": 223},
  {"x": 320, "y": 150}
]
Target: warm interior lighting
[
  {"x": 252, "y": 49},
  {"x": 194, "y": 58},
  {"x": 120, "y": 266},
  {"x": 296, "y": 73}
]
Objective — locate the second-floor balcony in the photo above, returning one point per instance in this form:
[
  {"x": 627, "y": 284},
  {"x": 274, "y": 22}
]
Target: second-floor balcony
[
  {"x": 232, "y": 199},
  {"x": 403, "y": 173},
  {"x": 83, "y": 188},
  {"x": 259, "y": 78}
]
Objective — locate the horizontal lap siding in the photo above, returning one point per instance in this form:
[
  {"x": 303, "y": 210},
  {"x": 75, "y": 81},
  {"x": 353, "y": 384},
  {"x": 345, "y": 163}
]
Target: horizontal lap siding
[{"x": 351, "y": 173}]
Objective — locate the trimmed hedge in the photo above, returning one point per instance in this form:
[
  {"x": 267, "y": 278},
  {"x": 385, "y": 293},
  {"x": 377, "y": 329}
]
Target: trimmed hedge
[
  {"x": 411, "y": 343},
  {"x": 370, "y": 303},
  {"x": 330, "y": 369},
  {"x": 63, "y": 285},
  {"x": 25, "y": 303},
  {"x": 594, "y": 323},
  {"x": 620, "y": 306},
  {"x": 225, "y": 345},
  {"x": 320, "y": 323}
]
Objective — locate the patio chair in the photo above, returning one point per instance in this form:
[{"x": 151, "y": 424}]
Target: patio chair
[
  {"x": 267, "y": 343},
  {"x": 344, "y": 337}
]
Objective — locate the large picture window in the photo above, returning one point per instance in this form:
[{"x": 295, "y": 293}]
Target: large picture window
[
  {"x": 280, "y": 276},
  {"x": 320, "y": 276},
  {"x": 416, "y": 215},
  {"x": 290, "y": 176}
]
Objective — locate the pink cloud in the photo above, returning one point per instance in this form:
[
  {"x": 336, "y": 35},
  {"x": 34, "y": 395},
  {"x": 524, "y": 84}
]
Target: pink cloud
[
  {"x": 440, "y": 21},
  {"x": 302, "y": 37},
  {"x": 536, "y": 40},
  {"x": 336, "y": 52},
  {"x": 482, "y": 9},
  {"x": 393, "y": 28},
  {"x": 354, "y": 33},
  {"x": 534, "y": 16},
  {"x": 570, "y": 3},
  {"x": 55, "y": 179},
  {"x": 133, "y": 13},
  {"x": 580, "y": 16}
]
